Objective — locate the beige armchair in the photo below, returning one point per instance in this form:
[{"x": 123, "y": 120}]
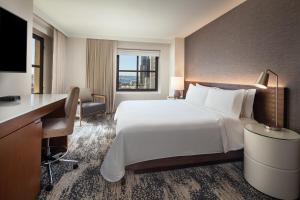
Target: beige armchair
[{"x": 90, "y": 104}]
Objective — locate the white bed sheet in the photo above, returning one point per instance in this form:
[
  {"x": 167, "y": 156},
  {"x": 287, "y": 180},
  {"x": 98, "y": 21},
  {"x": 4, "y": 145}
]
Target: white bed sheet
[{"x": 154, "y": 129}]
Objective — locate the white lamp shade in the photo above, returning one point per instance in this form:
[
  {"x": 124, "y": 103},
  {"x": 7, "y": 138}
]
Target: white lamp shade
[{"x": 177, "y": 83}]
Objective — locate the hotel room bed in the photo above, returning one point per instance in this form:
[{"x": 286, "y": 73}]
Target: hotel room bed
[
  {"x": 163, "y": 134},
  {"x": 155, "y": 129}
]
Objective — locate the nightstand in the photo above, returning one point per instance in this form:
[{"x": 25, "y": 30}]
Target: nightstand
[{"x": 272, "y": 161}]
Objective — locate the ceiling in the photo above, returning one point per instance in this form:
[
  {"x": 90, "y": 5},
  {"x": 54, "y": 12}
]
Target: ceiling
[{"x": 132, "y": 20}]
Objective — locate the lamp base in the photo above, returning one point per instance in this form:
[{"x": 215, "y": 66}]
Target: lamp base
[
  {"x": 273, "y": 128},
  {"x": 177, "y": 94}
]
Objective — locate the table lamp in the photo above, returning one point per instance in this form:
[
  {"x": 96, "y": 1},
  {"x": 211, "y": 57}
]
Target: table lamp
[
  {"x": 262, "y": 82},
  {"x": 177, "y": 83}
]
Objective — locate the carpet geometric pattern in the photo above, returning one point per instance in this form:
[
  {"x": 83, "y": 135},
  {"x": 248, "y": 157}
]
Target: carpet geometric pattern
[{"x": 90, "y": 142}]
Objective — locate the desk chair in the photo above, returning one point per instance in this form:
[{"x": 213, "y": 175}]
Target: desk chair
[
  {"x": 58, "y": 127},
  {"x": 90, "y": 104}
]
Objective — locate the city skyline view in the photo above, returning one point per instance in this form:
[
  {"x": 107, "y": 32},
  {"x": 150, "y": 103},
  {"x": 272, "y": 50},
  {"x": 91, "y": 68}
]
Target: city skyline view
[{"x": 136, "y": 72}]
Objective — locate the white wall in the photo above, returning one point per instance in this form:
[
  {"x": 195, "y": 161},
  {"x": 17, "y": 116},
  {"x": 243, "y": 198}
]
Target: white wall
[
  {"x": 163, "y": 72},
  {"x": 76, "y": 68},
  {"x": 18, "y": 83},
  {"x": 75, "y": 73}
]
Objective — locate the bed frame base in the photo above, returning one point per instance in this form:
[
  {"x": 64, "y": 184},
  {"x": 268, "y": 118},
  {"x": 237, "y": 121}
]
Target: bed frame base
[{"x": 184, "y": 161}]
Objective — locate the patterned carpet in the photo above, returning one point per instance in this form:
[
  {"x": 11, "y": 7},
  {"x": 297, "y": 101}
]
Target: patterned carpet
[{"x": 89, "y": 143}]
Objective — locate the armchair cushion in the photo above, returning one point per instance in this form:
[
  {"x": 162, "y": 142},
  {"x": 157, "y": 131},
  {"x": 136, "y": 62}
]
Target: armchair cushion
[{"x": 89, "y": 108}]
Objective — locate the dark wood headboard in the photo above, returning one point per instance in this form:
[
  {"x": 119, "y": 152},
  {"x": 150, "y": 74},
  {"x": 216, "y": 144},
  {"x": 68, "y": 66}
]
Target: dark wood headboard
[{"x": 264, "y": 102}]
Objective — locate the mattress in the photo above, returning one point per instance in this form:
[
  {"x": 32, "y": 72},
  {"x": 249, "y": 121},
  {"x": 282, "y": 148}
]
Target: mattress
[{"x": 155, "y": 129}]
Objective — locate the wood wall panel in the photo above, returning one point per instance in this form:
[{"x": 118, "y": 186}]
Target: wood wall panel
[{"x": 254, "y": 36}]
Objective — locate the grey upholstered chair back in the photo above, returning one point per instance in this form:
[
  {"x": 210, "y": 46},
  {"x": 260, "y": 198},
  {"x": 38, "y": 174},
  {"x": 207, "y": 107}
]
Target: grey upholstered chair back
[{"x": 71, "y": 106}]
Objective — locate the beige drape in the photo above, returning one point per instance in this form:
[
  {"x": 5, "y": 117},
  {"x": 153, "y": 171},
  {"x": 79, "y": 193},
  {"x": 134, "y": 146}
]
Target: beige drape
[
  {"x": 59, "y": 61},
  {"x": 100, "y": 69}
]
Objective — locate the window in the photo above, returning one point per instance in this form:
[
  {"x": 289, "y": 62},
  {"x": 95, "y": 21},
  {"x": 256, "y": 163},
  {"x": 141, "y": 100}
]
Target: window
[
  {"x": 37, "y": 65},
  {"x": 137, "y": 71}
]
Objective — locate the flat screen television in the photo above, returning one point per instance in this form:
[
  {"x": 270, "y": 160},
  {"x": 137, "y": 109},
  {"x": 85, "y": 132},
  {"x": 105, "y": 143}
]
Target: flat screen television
[{"x": 13, "y": 42}]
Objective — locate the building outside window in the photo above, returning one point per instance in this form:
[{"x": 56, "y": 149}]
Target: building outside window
[{"x": 137, "y": 70}]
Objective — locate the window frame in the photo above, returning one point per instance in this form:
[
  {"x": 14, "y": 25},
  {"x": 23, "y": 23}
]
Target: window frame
[
  {"x": 137, "y": 76},
  {"x": 41, "y": 65}
]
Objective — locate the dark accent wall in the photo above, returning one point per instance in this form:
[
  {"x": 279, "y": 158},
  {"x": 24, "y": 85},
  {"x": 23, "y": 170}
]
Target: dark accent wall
[{"x": 236, "y": 47}]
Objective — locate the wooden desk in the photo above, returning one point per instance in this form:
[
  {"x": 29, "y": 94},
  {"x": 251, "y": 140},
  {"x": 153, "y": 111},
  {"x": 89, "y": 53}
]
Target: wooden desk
[{"x": 20, "y": 144}]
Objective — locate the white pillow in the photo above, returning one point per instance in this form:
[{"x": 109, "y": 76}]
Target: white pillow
[
  {"x": 196, "y": 95},
  {"x": 229, "y": 102},
  {"x": 247, "y": 108}
]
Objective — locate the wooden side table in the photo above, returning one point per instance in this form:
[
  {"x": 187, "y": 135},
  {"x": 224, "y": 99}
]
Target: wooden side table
[{"x": 272, "y": 161}]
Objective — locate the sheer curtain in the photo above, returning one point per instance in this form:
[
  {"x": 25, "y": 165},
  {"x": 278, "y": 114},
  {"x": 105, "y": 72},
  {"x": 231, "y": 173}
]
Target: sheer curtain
[
  {"x": 59, "y": 61},
  {"x": 101, "y": 56}
]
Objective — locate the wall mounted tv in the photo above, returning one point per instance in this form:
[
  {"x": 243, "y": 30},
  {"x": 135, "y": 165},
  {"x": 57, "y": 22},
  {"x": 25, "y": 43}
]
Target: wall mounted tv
[{"x": 13, "y": 42}]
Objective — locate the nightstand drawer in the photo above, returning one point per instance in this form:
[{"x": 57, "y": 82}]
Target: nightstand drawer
[
  {"x": 278, "y": 153},
  {"x": 282, "y": 184}
]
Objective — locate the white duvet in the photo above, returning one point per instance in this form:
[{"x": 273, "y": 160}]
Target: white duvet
[{"x": 154, "y": 129}]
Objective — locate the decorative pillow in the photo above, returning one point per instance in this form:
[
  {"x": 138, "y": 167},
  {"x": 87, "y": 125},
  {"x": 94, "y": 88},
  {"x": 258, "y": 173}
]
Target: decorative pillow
[
  {"x": 196, "y": 95},
  {"x": 229, "y": 102},
  {"x": 247, "y": 108}
]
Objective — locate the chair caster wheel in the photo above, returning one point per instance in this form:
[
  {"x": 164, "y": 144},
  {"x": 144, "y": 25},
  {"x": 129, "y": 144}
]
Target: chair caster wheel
[
  {"x": 49, "y": 188},
  {"x": 75, "y": 166}
]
